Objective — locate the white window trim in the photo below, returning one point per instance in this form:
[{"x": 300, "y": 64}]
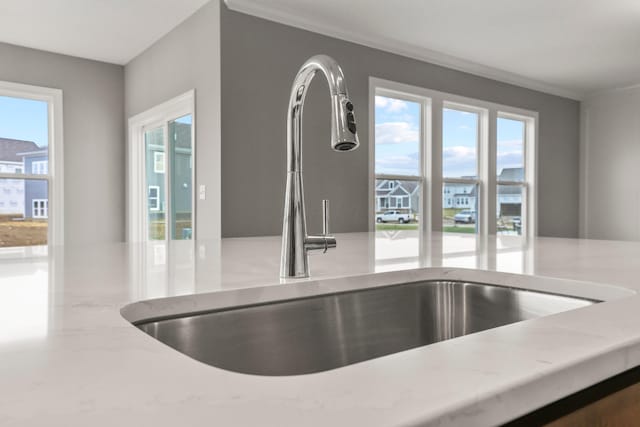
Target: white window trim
[
  {"x": 431, "y": 136},
  {"x": 177, "y": 107},
  {"x": 46, "y": 208},
  {"x": 39, "y": 167},
  {"x": 55, "y": 176},
  {"x": 424, "y": 166},
  {"x": 158, "y": 156},
  {"x": 157, "y": 198}
]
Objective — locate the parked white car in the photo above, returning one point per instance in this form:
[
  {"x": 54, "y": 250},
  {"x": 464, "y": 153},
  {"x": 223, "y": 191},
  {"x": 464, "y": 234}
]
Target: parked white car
[
  {"x": 466, "y": 217},
  {"x": 394, "y": 216}
]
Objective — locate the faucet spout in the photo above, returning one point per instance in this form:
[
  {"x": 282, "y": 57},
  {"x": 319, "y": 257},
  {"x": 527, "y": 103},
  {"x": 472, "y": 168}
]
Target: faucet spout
[{"x": 295, "y": 242}]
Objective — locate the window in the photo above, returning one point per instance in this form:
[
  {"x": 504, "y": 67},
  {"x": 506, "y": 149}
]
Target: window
[
  {"x": 398, "y": 169},
  {"x": 511, "y": 172},
  {"x": 154, "y": 198},
  {"x": 31, "y": 166},
  {"x": 460, "y": 164},
  {"x": 40, "y": 208},
  {"x": 158, "y": 162},
  {"x": 472, "y": 160},
  {"x": 39, "y": 167}
]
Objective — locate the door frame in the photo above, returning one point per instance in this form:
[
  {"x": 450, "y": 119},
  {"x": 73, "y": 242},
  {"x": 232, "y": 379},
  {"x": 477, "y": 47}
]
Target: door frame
[{"x": 159, "y": 115}]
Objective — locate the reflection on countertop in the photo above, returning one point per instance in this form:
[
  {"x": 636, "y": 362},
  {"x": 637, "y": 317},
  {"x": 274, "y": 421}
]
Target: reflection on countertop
[
  {"x": 132, "y": 272},
  {"x": 67, "y": 351}
]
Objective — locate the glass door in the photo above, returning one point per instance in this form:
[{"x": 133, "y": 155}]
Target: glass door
[
  {"x": 181, "y": 159},
  {"x": 168, "y": 164}
]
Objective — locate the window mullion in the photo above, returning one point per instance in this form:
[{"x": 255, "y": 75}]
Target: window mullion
[
  {"x": 436, "y": 164},
  {"x": 168, "y": 202},
  {"x": 490, "y": 190}
]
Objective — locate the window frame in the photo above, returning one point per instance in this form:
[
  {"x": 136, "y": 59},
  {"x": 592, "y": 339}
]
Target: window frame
[
  {"x": 431, "y": 155},
  {"x": 524, "y": 185},
  {"x": 424, "y": 217},
  {"x": 45, "y": 208},
  {"x": 158, "y": 156},
  {"x": 475, "y": 182},
  {"x": 55, "y": 167},
  {"x": 156, "y": 198},
  {"x": 40, "y": 167}
]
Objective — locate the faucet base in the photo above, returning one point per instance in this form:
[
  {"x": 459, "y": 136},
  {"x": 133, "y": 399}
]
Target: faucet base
[{"x": 294, "y": 259}]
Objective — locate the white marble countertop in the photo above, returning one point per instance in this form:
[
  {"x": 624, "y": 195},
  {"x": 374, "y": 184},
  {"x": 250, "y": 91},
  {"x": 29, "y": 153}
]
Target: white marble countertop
[{"x": 69, "y": 358}]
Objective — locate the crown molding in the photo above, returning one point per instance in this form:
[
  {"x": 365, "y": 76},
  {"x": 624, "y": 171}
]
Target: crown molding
[{"x": 261, "y": 10}]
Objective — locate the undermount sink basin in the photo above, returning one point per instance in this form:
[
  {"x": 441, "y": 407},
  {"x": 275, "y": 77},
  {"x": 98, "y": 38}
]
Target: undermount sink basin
[{"x": 325, "y": 332}]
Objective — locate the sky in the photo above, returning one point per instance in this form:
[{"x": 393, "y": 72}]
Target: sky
[
  {"x": 398, "y": 135},
  {"x": 24, "y": 119}
]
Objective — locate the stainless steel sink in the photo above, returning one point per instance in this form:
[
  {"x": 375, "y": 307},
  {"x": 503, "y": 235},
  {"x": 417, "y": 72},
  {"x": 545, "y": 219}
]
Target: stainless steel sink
[{"x": 325, "y": 332}]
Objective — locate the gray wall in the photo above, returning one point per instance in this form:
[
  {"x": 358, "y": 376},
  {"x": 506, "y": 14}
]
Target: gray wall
[
  {"x": 259, "y": 61},
  {"x": 610, "y": 190},
  {"x": 187, "y": 58},
  {"x": 94, "y": 163}
]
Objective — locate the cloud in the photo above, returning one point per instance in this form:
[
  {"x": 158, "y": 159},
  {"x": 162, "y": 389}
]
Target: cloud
[
  {"x": 400, "y": 163},
  {"x": 510, "y": 154},
  {"x": 509, "y": 160},
  {"x": 396, "y": 133},
  {"x": 459, "y": 153},
  {"x": 459, "y": 161},
  {"x": 391, "y": 105}
]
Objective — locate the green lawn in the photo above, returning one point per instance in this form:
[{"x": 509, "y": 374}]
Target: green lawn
[
  {"x": 446, "y": 229},
  {"x": 456, "y": 229},
  {"x": 393, "y": 226}
]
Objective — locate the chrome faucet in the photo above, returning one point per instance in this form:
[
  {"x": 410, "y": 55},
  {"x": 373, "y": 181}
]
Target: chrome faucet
[{"x": 296, "y": 244}]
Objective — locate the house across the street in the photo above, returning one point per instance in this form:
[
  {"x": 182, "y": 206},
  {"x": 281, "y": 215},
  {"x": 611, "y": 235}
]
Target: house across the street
[
  {"x": 36, "y": 198},
  {"x": 25, "y": 198},
  {"x": 12, "y": 191},
  {"x": 399, "y": 194},
  {"x": 396, "y": 194}
]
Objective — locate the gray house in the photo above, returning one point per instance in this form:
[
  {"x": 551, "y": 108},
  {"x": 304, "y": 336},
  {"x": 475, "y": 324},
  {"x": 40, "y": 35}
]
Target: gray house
[
  {"x": 36, "y": 192},
  {"x": 509, "y": 198}
]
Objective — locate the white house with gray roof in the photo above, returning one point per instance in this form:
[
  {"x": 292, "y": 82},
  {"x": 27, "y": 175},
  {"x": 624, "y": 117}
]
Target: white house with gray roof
[
  {"x": 12, "y": 191},
  {"x": 398, "y": 195}
]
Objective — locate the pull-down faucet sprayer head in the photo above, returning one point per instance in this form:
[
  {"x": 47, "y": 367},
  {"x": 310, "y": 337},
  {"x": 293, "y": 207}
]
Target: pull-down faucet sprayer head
[{"x": 343, "y": 124}]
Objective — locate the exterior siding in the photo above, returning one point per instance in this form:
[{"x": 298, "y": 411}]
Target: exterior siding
[
  {"x": 34, "y": 190},
  {"x": 11, "y": 191}
]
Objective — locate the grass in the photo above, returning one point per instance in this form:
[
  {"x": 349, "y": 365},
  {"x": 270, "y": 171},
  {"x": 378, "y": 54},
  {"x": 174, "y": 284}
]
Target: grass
[
  {"x": 394, "y": 226},
  {"x": 456, "y": 229},
  {"x": 22, "y": 233}
]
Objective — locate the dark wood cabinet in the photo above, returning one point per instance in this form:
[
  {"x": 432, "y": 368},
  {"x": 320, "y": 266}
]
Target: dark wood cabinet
[
  {"x": 611, "y": 403},
  {"x": 621, "y": 408}
]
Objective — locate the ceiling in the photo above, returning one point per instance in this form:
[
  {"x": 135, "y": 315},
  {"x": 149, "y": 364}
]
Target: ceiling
[
  {"x": 106, "y": 30},
  {"x": 567, "y": 47}
]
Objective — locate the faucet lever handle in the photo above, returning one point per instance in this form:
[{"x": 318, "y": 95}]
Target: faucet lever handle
[{"x": 325, "y": 217}]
